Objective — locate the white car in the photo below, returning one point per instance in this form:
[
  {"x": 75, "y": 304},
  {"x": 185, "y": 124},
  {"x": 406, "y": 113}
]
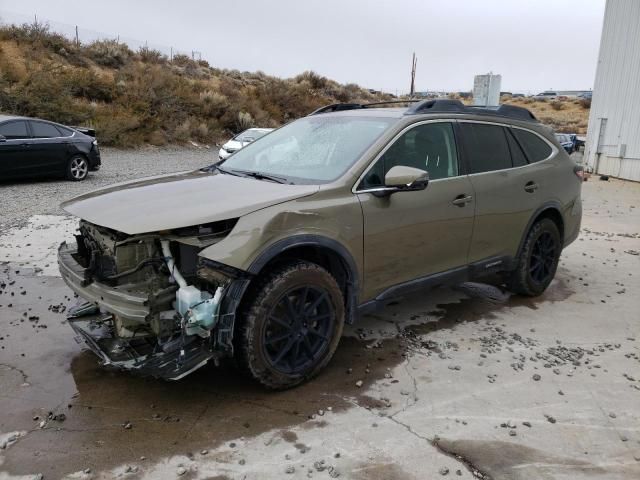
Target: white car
[
  {"x": 546, "y": 95},
  {"x": 240, "y": 140}
]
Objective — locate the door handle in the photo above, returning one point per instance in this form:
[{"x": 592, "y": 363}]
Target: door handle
[
  {"x": 531, "y": 187},
  {"x": 462, "y": 199}
]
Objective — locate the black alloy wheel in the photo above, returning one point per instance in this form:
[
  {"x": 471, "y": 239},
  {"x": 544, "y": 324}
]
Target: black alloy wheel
[
  {"x": 298, "y": 329},
  {"x": 538, "y": 259},
  {"x": 543, "y": 257},
  {"x": 290, "y": 324}
]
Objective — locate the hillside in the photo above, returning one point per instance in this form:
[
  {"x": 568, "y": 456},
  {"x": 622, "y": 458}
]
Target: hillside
[
  {"x": 134, "y": 98},
  {"x": 566, "y": 116},
  {"x": 569, "y": 115}
]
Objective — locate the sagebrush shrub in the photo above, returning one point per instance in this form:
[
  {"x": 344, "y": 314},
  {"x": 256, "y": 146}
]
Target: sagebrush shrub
[{"x": 142, "y": 97}]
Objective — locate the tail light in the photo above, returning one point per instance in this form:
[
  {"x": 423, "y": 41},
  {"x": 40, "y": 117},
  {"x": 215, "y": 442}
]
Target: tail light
[{"x": 579, "y": 171}]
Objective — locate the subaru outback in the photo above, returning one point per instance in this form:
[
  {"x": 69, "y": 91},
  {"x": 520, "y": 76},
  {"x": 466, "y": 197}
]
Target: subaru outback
[{"x": 267, "y": 255}]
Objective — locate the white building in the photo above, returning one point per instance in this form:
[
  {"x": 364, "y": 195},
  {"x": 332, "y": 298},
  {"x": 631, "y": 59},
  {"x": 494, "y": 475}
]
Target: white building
[{"x": 613, "y": 138}]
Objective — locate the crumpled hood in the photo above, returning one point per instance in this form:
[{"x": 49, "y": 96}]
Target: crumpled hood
[{"x": 179, "y": 200}]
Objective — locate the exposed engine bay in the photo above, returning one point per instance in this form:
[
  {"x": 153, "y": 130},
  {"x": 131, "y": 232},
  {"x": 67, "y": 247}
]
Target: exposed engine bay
[{"x": 151, "y": 304}]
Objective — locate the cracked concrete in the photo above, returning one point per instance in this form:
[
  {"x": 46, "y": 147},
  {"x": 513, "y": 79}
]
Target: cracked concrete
[{"x": 447, "y": 382}]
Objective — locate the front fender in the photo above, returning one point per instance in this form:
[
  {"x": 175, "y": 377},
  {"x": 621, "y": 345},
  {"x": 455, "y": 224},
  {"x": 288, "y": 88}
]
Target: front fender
[{"x": 329, "y": 220}]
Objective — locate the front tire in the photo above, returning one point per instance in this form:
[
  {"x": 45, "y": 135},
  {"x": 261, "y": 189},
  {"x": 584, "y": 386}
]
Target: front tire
[
  {"x": 538, "y": 260},
  {"x": 77, "y": 168},
  {"x": 291, "y": 325}
]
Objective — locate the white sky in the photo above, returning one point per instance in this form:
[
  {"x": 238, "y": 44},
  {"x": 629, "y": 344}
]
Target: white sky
[{"x": 534, "y": 44}]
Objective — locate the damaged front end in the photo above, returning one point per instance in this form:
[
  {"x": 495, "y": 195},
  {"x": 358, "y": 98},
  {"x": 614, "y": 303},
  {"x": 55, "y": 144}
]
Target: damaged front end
[{"x": 153, "y": 306}]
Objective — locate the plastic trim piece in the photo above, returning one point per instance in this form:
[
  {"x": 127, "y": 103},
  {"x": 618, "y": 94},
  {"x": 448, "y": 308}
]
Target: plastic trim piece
[
  {"x": 454, "y": 276},
  {"x": 307, "y": 240}
]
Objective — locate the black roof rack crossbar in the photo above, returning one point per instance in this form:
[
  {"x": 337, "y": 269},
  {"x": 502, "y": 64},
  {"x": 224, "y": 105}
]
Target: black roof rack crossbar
[
  {"x": 337, "y": 107},
  {"x": 436, "y": 106},
  {"x": 389, "y": 102},
  {"x": 456, "y": 106}
]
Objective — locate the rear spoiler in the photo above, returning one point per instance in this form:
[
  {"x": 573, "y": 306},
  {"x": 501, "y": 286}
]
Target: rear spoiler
[{"x": 86, "y": 130}]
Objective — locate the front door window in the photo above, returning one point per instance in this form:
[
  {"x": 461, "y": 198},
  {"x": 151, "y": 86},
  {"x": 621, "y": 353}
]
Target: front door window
[{"x": 430, "y": 147}]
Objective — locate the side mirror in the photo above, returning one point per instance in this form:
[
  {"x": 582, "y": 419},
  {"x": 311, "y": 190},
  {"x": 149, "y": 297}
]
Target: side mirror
[
  {"x": 404, "y": 179},
  {"x": 3, "y": 138}
]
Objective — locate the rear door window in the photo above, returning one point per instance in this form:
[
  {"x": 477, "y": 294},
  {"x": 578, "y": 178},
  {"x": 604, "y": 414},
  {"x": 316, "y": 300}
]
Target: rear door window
[
  {"x": 14, "y": 130},
  {"x": 535, "y": 148},
  {"x": 44, "y": 130},
  {"x": 486, "y": 147}
]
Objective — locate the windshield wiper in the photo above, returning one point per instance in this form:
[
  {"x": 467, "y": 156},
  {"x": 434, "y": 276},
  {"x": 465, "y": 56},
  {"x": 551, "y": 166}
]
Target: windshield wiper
[
  {"x": 215, "y": 166},
  {"x": 262, "y": 176}
]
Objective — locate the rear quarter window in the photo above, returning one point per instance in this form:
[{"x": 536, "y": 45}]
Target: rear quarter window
[
  {"x": 534, "y": 147},
  {"x": 64, "y": 131}
]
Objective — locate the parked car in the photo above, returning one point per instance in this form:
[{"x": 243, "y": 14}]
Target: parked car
[
  {"x": 31, "y": 147},
  {"x": 586, "y": 95},
  {"x": 267, "y": 255},
  {"x": 577, "y": 141},
  {"x": 241, "y": 140},
  {"x": 566, "y": 142},
  {"x": 547, "y": 95}
]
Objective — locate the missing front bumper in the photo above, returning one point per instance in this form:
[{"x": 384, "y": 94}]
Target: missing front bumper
[{"x": 141, "y": 355}]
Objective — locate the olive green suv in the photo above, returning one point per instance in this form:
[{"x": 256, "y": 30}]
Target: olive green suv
[{"x": 265, "y": 256}]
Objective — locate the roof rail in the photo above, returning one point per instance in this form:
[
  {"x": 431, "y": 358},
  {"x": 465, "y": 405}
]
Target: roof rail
[
  {"x": 437, "y": 105},
  {"x": 511, "y": 111},
  {"x": 456, "y": 106},
  {"x": 441, "y": 105},
  {"x": 337, "y": 107}
]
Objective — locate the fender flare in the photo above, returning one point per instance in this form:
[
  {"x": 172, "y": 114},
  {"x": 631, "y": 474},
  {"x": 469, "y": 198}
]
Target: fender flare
[
  {"x": 311, "y": 240},
  {"x": 550, "y": 205}
]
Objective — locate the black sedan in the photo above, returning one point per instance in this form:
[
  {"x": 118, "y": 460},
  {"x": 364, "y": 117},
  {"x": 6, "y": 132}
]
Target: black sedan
[{"x": 31, "y": 147}]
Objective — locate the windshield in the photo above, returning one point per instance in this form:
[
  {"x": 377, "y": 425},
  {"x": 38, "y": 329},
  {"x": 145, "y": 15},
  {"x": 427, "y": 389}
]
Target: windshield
[
  {"x": 249, "y": 135},
  {"x": 315, "y": 149}
]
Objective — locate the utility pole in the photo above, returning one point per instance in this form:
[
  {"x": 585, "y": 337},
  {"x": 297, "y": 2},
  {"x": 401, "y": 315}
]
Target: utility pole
[
  {"x": 414, "y": 62},
  {"x": 77, "y": 38}
]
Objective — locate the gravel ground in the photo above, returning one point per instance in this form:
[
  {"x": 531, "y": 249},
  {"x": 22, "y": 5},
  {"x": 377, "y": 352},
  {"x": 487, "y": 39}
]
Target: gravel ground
[
  {"x": 22, "y": 199},
  {"x": 467, "y": 382}
]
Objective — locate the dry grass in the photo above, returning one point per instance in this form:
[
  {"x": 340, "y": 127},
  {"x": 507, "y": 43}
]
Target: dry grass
[
  {"x": 133, "y": 98},
  {"x": 565, "y": 116}
]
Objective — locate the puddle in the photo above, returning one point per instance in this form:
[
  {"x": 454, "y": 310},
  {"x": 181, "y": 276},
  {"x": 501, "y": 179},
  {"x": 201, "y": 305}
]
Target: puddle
[
  {"x": 36, "y": 244},
  {"x": 45, "y": 371}
]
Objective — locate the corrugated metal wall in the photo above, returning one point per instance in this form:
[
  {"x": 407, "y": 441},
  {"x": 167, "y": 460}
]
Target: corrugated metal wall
[{"x": 613, "y": 136}]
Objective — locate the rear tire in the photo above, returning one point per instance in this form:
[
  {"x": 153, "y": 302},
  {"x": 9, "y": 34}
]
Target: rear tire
[
  {"x": 291, "y": 325},
  {"x": 538, "y": 259},
  {"x": 77, "y": 168}
]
